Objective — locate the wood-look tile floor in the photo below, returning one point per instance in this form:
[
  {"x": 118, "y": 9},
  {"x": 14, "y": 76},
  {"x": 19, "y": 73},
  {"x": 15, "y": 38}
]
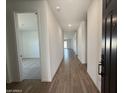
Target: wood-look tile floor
[{"x": 70, "y": 78}]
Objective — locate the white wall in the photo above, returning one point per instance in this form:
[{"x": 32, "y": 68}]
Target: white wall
[
  {"x": 10, "y": 66},
  {"x": 56, "y": 42},
  {"x": 75, "y": 43},
  {"x": 49, "y": 45},
  {"x": 94, "y": 36},
  {"x": 81, "y": 42}
]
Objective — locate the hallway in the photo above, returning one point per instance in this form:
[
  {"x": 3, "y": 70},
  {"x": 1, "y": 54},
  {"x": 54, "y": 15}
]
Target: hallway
[
  {"x": 57, "y": 21},
  {"x": 71, "y": 77}
]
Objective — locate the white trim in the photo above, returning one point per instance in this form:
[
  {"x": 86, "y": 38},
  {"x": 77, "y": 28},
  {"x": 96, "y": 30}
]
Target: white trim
[
  {"x": 39, "y": 39},
  {"x": 17, "y": 45}
]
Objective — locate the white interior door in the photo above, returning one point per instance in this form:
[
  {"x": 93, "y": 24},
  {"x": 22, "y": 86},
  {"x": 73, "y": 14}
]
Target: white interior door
[{"x": 28, "y": 45}]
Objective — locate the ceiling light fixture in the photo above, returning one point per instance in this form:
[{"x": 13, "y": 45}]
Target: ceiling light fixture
[
  {"x": 69, "y": 25},
  {"x": 58, "y": 8}
]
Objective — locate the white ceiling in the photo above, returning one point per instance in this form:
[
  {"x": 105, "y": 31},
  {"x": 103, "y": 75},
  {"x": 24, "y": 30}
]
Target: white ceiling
[{"x": 71, "y": 12}]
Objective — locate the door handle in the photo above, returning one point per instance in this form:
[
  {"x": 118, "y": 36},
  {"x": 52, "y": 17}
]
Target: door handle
[{"x": 100, "y": 69}]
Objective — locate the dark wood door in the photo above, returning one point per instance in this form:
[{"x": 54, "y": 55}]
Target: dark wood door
[{"x": 109, "y": 50}]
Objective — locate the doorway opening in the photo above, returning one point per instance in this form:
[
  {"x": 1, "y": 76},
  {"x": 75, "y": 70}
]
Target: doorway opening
[
  {"x": 65, "y": 44},
  {"x": 26, "y": 25}
]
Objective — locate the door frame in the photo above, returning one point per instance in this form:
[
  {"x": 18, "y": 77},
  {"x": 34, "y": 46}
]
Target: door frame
[
  {"x": 17, "y": 40},
  {"x": 109, "y": 47}
]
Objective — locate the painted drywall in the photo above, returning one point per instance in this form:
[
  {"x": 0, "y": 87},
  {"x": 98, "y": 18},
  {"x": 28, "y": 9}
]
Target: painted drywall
[
  {"x": 81, "y": 42},
  {"x": 94, "y": 39},
  {"x": 10, "y": 72},
  {"x": 29, "y": 44},
  {"x": 11, "y": 53},
  {"x": 56, "y": 41},
  {"x": 75, "y": 43}
]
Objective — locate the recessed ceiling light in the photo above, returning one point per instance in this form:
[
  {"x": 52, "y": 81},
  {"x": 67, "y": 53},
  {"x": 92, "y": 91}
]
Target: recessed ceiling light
[
  {"x": 69, "y": 25},
  {"x": 58, "y": 8}
]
